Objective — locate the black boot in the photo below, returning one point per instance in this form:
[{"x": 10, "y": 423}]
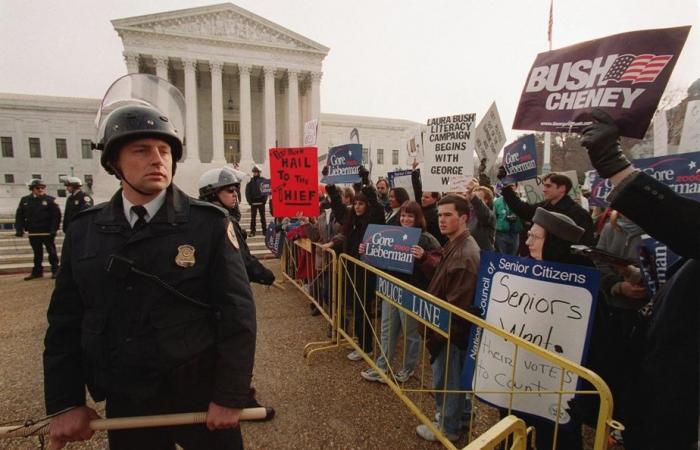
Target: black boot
[{"x": 33, "y": 276}]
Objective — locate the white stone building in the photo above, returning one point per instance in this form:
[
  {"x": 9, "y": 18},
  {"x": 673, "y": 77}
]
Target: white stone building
[{"x": 249, "y": 85}]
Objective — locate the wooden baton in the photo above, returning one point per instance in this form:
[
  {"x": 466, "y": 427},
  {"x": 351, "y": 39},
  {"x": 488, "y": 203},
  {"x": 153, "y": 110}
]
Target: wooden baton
[{"x": 123, "y": 423}]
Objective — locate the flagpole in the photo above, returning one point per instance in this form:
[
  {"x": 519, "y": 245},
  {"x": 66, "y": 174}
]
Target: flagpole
[{"x": 547, "y": 135}]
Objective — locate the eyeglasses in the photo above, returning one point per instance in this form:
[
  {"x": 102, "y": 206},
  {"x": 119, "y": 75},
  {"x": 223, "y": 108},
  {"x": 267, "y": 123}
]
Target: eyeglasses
[{"x": 229, "y": 189}]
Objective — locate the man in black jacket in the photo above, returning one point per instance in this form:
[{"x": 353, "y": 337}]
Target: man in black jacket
[
  {"x": 256, "y": 199},
  {"x": 152, "y": 309},
  {"x": 428, "y": 202},
  {"x": 76, "y": 201},
  {"x": 39, "y": 215},
  {"x": 661, "y": 410},
  {"x": 556, "y": 199}
]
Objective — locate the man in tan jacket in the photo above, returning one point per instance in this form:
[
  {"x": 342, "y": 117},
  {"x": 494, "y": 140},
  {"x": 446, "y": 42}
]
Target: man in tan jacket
[{"x": 454, "y": 281}]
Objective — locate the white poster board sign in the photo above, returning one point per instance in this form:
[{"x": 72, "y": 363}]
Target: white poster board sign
[
  {"x": 449, "y": 148},
  {"x": 310, "y": 133},
  {"x": 414, "y": 147},
  {"x": 402, "y": 179},
  {"x": 490, "y": 136},
  {"x": 660, "y": 134}
]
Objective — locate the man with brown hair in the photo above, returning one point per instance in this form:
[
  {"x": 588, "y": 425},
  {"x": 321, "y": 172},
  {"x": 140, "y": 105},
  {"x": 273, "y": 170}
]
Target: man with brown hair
[
  {"x": 556, "y": 189},
  {"x": 454, "y": 281}
]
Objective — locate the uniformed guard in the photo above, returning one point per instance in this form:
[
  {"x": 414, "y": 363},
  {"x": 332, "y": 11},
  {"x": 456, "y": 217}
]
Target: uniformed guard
[
  {"x": 39, "y": 215},
  {"x": 76, "y": 201},
  {"x": 152, "y": 310}
]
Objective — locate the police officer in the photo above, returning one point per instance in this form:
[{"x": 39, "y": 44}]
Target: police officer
[
  {"x": 153, "y": 311},
  {"x": 39, "y": 215},
  {"x": 256, "y": 198},
  {"x": 76, "y": 201}
]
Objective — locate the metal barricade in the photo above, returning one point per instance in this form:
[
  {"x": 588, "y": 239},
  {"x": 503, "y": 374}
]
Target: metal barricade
[
  {"x": 312, "y": 269},
  {"x": 509, "y": 429},
  {"x": 425, "y": 368}
]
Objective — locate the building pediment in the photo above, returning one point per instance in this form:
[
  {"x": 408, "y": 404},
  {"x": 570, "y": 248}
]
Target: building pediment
[{"x": 225, "y": 22}]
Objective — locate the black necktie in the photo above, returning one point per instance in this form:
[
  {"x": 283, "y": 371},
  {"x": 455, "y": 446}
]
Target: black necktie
[{"x": 141, "y": 212}]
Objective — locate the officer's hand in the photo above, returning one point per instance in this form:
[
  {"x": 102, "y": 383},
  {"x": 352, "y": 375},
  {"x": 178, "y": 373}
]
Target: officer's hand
[
  {"x": 221, "y": 417},
  {"x": 73, "y": 425},
  {"x": 501, "y": 173},
  {"x": 601, "y": 141},
  {"x": 324, "y": 171},
  {"x": 364, "y": 175}
]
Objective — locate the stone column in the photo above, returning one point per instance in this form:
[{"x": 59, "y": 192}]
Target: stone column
[
  {"x": 246, "y": 123},
  {"x": 315, "y": 96},
  {"x": 132, "y": 62},
  {"x": 293, "y": 108},
  {"x": 217, "y": 113},
  {"x": 161, "y": 67},
  {"x": 192, "y": 140},
  {"x": 269, "y": 105}
]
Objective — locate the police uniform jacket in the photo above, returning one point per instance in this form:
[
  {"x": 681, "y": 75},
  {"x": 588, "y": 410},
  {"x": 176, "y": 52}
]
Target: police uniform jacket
[
  {"x": 75, "y": 203},
  {"x": 37, "y": 215},
  {"x": 123, "y": 334}
]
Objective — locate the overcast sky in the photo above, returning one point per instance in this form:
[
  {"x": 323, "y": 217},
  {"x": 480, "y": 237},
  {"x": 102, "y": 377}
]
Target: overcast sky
[{"x": 399, "y": 59}]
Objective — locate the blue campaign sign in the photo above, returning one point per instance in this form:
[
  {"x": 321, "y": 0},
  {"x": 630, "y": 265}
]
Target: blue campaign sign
[
  {"x": 655, "y": 259},
  {"x": 274, "y": 239},
  {"x": 520, "y": 159},
  {"x": 549, "y": 304},
  {"x": 680, "y": 172},
  {"x": 265, "y": 186},
  {"x": 389, "y": 248},
  {"x": 600, "y": 188},
  {"x": 343, "y": 164},
  {"x": 427, "y": 311}
]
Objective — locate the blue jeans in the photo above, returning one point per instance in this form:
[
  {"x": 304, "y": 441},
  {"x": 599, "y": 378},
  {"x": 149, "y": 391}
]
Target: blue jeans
[
  {"x": 447, "y": 378},
  {"x": 393, "y": 321},
  {"x": 507, "y": 242}
]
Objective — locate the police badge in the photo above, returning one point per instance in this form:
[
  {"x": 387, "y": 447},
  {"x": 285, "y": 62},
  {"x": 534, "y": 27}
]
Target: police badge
[
  {"x": 231, "y": 234},
  {"x": 185, "y": 256}
]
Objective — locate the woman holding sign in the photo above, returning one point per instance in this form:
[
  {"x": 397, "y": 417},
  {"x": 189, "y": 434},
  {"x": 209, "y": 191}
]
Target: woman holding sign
[{"x": 393, "y": 320}]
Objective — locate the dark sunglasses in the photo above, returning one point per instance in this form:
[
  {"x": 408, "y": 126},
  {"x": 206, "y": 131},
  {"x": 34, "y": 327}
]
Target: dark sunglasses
[{"x": 230, "y": 189}]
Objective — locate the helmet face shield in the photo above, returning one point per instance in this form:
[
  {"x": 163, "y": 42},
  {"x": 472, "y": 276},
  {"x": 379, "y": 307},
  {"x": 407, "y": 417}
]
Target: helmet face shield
[
  {"x": 139, "y": 106},
  {"x": 213, "y": 180}
]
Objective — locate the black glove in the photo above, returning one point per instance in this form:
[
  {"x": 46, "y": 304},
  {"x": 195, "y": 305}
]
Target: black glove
[
  {"x": 364, "y": 175},
  {"x": 330, "y": 189},
  {"x": 501, "y": 174},
  {"x": 324, "y": 171},
  {"x": 601, "y": 140}
]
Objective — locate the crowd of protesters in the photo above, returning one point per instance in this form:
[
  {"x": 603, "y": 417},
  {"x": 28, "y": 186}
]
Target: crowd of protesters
[{"x": 631, "y": 329}]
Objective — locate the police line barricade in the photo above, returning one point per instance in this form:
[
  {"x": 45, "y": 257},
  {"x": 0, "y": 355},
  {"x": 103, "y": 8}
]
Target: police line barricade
[
  {"x": 312, "y": 269},
  {"x": 510, "y": 430},
  {"x": 375, "y": 307}
]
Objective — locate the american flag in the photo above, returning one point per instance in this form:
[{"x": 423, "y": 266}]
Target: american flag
[{"x": 637, "y": 69}]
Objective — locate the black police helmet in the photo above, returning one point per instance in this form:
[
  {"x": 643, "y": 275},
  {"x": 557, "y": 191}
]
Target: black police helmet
[{"x": 132, "y": 122}]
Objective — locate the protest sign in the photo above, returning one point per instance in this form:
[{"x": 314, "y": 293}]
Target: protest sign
[
  {"x": 490, "y": 136},
  {"x": 549, "y": 304},
  {"x": 449, "y": 150},
  {"x": 402, "y": 179},
  {"x": 294, "y": 181},
  {"x": 624, "y": 74},
  {"x": 690, "y": 139},
  {"x": 274, "y": 239},
  {"x": 265, "y": 187},
  {"x": 661, "y": 134},
  {"x": 600, "y": 188},
  {"x": 532, "y": 189},
  {"x": 655, "y": 259},
  {"x": 679, "y": 172},
  {"x": 433, "y": 315},
  {"x": 343, "y": 164},
  {"x": 459, "y": 183},
  {"x": 414, "y": 148},
  {"x": 310, "y": 132},
  {"x": 389, "y": 247},
  {"x": 520, "y": 159}
]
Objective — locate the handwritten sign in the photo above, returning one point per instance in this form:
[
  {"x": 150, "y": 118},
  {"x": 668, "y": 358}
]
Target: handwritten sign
[
  {"x": 490, "y": 136},
  {"x": 310, "y": 133},
  {"x": 343, "y": 163},
  {"x": 414, "y": 147},
  {"x": 624, "y": 74},
  {"x": 459, "y": 184},
  {"x": 520, "y": 159},
  {"x": 402, "y": 179},
  {"x": 389, "y": 247},
  {"x": 294, "y": 181},
  {"x": 549, "y": 304},
  {"x": 449, "y": 150},
  {"x": 427, "y": 312}
]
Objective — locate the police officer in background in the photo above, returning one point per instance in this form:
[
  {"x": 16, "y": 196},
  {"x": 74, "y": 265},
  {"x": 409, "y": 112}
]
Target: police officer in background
[
  {"x": 152, "y": 310},
  {"x": 76, "y": 201},
  {"x": 39, "y": 215},
  {"x": 256, "y": 199}
]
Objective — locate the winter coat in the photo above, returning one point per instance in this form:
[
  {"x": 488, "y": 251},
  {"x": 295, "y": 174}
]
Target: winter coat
[
  {"x": 482, "y": 224},
  {"x": 424, "y": 267},
  {"x": 253, "y": 193},
  {"x": 430, "y": 212},
  {"x": 503, "y": 225},
  {"x": 37, "y": 214},
  {"x": 354, "y": 226}
]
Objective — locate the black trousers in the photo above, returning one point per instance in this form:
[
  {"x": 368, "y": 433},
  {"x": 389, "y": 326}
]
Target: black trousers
[
  {"x": 38, "y": 243},
  {"x": 257, "y": 209}
]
